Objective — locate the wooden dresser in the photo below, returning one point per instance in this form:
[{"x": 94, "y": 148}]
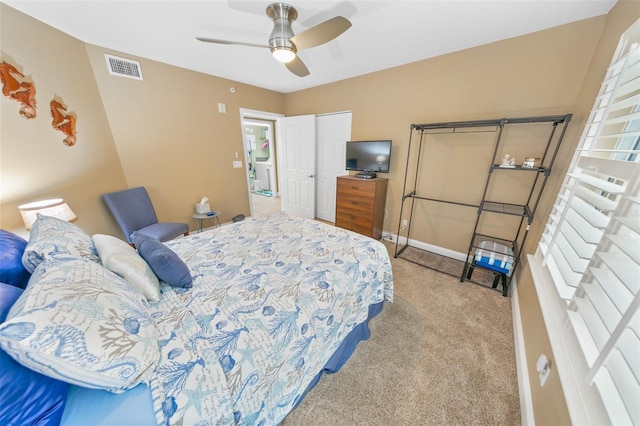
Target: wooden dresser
[{"x": 360, "y": 205}]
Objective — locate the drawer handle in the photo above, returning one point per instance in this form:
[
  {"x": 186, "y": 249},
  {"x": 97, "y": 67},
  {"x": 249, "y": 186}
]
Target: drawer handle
[{"x": 355, "y": 203}]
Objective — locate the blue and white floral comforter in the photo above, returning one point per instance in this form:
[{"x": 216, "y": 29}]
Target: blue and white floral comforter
[{"x": 272, "y": 299}]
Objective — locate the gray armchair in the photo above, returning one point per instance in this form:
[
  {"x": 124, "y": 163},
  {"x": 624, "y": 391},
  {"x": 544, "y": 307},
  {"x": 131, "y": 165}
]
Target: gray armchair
[{"x": 134, "y": 212}]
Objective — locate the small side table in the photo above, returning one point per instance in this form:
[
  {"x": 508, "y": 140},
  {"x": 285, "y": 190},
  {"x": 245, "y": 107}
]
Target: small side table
[{"x": 200, "y": 217}]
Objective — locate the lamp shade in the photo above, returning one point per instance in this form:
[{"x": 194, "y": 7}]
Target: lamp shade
[{"x": 55, "y": 207}]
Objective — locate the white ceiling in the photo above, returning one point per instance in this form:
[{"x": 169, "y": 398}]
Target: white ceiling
[{"x": 384, "y": 33}]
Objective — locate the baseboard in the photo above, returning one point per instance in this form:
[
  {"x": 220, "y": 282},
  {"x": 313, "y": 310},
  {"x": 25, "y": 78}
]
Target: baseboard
[
  {"x": 428, "y": 247},
  {"x": 524, "y": 383}
]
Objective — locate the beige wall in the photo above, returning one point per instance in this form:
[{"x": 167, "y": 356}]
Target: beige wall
[
  {"x": 536, "y": 74},
  {"x": 171, "y": 138},
  {"x": 34, "y": 163},
  {"x": 165, "y": 133}
]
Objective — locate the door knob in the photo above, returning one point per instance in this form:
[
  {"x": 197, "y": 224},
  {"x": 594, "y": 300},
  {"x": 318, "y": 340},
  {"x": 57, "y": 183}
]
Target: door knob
[{"x": 310, "y": 176}]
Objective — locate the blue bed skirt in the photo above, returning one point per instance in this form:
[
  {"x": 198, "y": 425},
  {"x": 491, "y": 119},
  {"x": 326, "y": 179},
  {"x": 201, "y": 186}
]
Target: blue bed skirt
[{"x": 135, "y": 407}]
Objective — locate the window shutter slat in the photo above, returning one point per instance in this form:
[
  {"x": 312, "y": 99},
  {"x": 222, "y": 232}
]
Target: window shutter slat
[
  {"x": 628, "y": 102},
  {"x": 588, "y": 232},
  {"x": 595, "y": 199},
  {"x": 607, "y": 166},
  {"x": 598, "y": 332},
  {"x": 575, "y": 262},
  {"x": 565, "y": 283},
  {"x": 621, "y": 267},
  {"x": 626, "y": 384},
  {"x": 599, "y": 183},
  {"x": 616, "y": 290},
  {"x": 616, "y": 409},
  {"x": 633, "y": 223},
  {"x": 606, "y": 310},
  {"x": 583, "y": 249},
  {"x": 587, "y": 343},
  {"x": 595, "y": 218},
  {"x": 629, "y": 344},
  {"x": 628, "y": 245}
]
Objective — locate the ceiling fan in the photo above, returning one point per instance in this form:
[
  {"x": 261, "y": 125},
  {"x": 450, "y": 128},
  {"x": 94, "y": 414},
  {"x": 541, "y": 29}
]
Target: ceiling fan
[{"x": 284, "y": 45}]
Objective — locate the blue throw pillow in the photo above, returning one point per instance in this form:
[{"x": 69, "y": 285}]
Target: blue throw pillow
[
  {"x": 28, "y": 398},
  {"x": 12, "y": 271},
  {"x": 164, "y": 262}
]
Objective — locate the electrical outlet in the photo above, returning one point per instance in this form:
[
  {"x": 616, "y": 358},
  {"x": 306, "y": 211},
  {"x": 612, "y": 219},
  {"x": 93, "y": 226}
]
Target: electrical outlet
[
  {"x": 237, "y": 164},
  {"x": 405, "y": 223},
  {"x": 544, "y": 368}
]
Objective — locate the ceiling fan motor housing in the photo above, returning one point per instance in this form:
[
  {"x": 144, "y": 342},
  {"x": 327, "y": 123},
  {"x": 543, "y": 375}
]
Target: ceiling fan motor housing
[{"x": 282, "y": 15}]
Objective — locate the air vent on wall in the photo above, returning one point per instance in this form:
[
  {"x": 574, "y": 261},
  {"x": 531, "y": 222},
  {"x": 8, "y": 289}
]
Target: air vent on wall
[{"x": 123, "y": 67}]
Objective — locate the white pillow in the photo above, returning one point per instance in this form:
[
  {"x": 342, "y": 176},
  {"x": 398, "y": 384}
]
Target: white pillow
[{"x": 119, "y": 257}]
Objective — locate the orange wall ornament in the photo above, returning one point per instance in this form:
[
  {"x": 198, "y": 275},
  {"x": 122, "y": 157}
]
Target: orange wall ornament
[
  {"x": 22, "y": 91},
  {"x": 66, "y": 123}
]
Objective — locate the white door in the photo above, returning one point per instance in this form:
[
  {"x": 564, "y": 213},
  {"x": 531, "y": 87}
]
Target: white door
[
  {"x": 333, "y": 131},
  {"x": 297, "y": 150}
]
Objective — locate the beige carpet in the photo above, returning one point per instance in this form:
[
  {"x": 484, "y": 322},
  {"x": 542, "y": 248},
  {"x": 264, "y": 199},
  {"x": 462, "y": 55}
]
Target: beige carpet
[{"x": 441, "y": 354}]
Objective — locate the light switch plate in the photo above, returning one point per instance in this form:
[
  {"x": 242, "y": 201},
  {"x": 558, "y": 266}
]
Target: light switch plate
[{"x": 237, "y": 164}]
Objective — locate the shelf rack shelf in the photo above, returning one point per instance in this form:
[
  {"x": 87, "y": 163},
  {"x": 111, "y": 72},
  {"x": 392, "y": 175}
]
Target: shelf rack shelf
[{"x": 483, "y": 244}]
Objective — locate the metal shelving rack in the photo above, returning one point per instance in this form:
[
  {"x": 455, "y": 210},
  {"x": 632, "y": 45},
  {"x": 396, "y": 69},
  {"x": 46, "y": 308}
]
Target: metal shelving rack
[{"x": 526, "y": 211}]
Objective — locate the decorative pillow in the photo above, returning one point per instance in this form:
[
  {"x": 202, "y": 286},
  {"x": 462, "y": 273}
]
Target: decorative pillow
[
  {"x": 79, "y": 322},
  {"x": 28, "y": 398},
  {"x": 55, "y": 238},
  {"x": 165, "y": 262},
  {"x": 12, "y": 270},
  {"x": 119, "y": 257}
]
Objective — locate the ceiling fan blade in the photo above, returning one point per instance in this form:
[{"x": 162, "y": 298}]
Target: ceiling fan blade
[
  {"x": 297, "y": 67},
  {"x": 241, "y": 43},
  {"x": 321, "y": 33}
]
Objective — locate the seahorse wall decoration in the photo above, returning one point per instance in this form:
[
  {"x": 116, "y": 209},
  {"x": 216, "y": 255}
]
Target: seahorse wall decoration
[
  {"x": 24, "y": 92},
  {"x": 66, "y": 123}
]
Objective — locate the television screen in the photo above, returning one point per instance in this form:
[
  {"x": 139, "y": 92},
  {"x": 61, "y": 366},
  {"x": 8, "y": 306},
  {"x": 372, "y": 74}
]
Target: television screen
[{"x": 368, "y": 156}]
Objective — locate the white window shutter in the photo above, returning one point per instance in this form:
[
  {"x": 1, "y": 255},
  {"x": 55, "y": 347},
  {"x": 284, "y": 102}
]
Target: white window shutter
[{"x": 590, "y": 251}]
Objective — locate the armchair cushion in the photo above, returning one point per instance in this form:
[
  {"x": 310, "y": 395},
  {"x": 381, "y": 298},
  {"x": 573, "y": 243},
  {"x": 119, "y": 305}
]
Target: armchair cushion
[{"x": 163, "y": 231}]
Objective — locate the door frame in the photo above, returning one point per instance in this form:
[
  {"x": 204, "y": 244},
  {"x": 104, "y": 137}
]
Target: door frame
[{"x": 248, "y": 114}]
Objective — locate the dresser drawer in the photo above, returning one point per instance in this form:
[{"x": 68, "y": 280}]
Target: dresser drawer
[
  {"x": 353, "y": 222},
  {"x": 353, "y": 216},
  {"x": 354, "y": 188},
  {"x": 362, "y": 204}
]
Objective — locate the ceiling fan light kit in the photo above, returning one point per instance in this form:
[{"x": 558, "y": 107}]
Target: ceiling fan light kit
[
  {"x": 283, "y": 54},
  {"x": 284, "y": 44},
  {"x": 282, "y": 48}
]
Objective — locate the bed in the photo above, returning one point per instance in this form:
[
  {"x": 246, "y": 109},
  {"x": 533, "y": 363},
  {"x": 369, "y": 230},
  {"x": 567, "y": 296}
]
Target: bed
[{"x": 243, "y": 322}]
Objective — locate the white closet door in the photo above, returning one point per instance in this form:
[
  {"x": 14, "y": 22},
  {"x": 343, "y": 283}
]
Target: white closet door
[{"x": 333, "y": 131}]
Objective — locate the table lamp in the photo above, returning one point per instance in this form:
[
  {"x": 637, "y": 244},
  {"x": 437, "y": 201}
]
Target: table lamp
[{"x": 55, "y": 207}]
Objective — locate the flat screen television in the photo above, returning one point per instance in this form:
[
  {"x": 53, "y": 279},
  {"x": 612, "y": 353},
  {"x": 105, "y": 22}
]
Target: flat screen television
[{"x": 368, "y": 157}]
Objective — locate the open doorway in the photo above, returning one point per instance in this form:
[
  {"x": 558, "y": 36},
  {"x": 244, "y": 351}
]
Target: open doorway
[{"x": 259, "y": 131}]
